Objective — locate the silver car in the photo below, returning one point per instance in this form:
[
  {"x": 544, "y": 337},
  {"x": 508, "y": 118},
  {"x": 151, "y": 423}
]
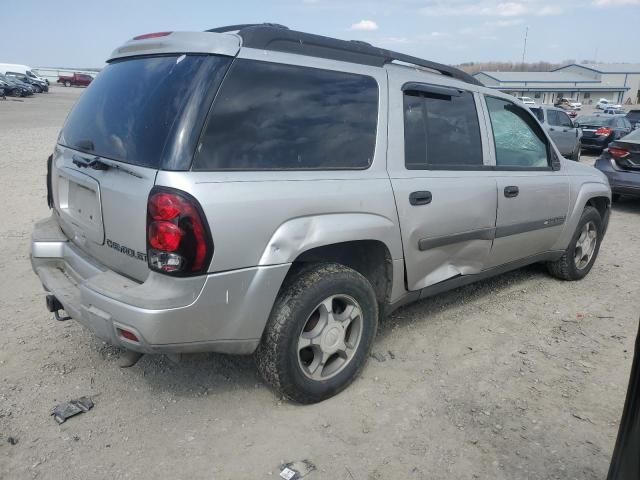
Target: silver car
[
  {"x": 562, "y": 130},
  {"x": 253, "y": 189}
]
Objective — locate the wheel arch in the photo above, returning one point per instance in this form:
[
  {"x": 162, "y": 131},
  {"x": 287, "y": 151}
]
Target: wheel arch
[
  {"x": 368, "y": 243},
  {"x": 594, "y": 194}
]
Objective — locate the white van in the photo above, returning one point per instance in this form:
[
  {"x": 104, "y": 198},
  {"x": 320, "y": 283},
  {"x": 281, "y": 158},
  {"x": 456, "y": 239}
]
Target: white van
[{"x": 25, "y": 69}]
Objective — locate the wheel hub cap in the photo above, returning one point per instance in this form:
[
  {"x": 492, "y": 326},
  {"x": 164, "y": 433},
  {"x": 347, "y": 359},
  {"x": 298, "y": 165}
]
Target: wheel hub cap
[
  {"x": 330, "y": 337},
  {"x": 585, "y": 245}
]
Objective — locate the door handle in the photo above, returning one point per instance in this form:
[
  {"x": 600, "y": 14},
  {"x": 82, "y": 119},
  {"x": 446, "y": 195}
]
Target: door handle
[
  {"x": 420, "y": 198},
  {"x": 511, "y": 191}
]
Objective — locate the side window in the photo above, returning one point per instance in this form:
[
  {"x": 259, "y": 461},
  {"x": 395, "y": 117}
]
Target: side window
[
  {"x": 538, "y": 112},
  {"x": 553, "y": 117},
  {"x": 564, "y": 120},
  {"x": 441, "y": 131},
  {"x": 518, "y": 138},
  {"x": 270, "y": 116}
]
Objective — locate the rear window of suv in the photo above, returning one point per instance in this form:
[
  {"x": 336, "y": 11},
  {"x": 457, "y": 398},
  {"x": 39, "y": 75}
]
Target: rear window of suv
[
  {"x": 133, "y": 111},
  {"x": 270, "y": 116}
]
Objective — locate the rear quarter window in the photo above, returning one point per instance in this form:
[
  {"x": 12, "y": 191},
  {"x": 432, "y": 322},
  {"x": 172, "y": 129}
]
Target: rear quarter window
[{"x": 270, "y": 116}]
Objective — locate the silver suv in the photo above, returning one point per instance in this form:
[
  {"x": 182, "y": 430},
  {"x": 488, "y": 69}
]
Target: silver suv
[{"x": 253, "y": 189}]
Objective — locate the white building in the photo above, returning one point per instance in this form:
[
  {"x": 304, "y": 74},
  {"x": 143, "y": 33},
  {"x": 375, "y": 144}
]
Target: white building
[{"x": 585, "y": 83}]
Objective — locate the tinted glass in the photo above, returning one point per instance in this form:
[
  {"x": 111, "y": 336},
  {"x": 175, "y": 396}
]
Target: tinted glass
[
  {"x": 634, "y": 116},
  {"x": 518, "y": 139},
  {"x": 538, "y": 113},
  {"x": 130, "y": 111},
  {"x": 553, "y": 117},
  {"x": 441, "y": 131},
  {"x": 563, "y": 119},
  {"x": 269, "y": 116},
  {"x": 592, "y": 120}
]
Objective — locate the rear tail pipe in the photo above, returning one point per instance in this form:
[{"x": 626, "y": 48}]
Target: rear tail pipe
[{"x": 54, "y": 306}]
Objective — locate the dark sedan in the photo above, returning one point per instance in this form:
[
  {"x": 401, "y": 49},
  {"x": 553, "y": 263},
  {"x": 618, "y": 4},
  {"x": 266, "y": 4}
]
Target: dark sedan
[
  {"x": 599, "y": 130},
  {"x": 621, "y": 164}
]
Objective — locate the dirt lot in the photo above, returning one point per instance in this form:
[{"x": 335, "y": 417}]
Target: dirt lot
[{"x": 519, "y": 377}]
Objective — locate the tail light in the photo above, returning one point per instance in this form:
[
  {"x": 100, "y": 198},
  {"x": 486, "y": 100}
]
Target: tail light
[
  {"x": 152, "y": 35},
  {"x": 178, "y": 238},
  {"x": 618, "y": 153},
  {"x": 603, "y": 131}
]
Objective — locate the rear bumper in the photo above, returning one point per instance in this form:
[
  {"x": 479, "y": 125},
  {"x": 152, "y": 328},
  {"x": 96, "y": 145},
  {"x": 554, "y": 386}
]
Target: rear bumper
[
  {"x": 621, "y": 181},
  {"x": 222, "y": 312},
  {"x": 595, "y": 142}
]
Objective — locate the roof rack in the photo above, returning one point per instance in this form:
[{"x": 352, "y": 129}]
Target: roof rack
[{"x": 269, "y": 36}]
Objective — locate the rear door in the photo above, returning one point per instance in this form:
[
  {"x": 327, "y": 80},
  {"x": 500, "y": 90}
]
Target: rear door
[
  {"x": 138, "y": 116},
  {"x": 562, "y": 131},
  {"x": 445, "y": 196},
  {"x": 533, "y": 199}
]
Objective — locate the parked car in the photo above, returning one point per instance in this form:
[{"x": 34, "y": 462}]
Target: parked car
[
  {"x": 599, "y": 130},
  {"x": 634, "y": 118},
  {"x": 563, "y": 132},
  {"x": 76, "y": 80},
  {"x": 620, "y": 162},
  {"x": 38, "y": 86},
  {"x": 12, "y": 89},
  {"x": 568, "y": 103},
  {"x": 527, "y": 100},
  {"x": 614, "y": 111},
  {"x": 18, "y": 88},
  {"x": 604, "y": 103},
  {"x": 284, "y": 210}
]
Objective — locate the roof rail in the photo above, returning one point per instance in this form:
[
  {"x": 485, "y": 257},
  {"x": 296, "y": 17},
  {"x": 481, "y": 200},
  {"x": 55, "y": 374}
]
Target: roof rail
[{"x": 269, "y": 36}]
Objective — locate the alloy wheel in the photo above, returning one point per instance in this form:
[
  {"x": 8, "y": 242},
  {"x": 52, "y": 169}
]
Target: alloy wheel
[
  {"x": 585, "y": 245},
  {"x": 330, "y": 337}
]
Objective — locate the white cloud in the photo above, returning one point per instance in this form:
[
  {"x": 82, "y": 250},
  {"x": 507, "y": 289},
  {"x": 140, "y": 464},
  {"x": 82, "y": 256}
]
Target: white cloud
[
  {"x": 365, "y": 25},
  {"x": 613, "y": 3},
  {"x": 505, "y": 23},
  {"x": 549, "y": 10},
  {"x": 490, "y": 8}
]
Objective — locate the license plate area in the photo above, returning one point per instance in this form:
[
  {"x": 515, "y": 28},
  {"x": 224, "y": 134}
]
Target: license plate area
[{"x": 79, "y": 206}]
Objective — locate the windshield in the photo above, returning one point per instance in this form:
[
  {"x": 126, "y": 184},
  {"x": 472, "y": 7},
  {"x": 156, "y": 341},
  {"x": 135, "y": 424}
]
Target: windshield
[
  {"x": 139, "y": 111},
  {"x": 593, "y": 121}
]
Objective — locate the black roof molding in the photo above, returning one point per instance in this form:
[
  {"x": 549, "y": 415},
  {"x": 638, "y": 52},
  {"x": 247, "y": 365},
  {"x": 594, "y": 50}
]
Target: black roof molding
[{"x": 268, "y": 36}]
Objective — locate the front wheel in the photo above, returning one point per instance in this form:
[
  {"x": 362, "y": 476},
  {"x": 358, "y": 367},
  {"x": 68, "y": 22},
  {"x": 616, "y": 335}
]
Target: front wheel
[
  {"x": 575, "y": 156},
  {"x": 583, "y": 249},
  {"x": 319, "y": 333},
  {"x": 67, "y": 83}
]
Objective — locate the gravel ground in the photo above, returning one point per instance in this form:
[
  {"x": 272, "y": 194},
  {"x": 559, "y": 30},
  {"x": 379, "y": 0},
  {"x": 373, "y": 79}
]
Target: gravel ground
[{"x": 518, "y": 377}]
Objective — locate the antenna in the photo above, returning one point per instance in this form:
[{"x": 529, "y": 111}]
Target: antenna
[{"x": 524, "y": 50}]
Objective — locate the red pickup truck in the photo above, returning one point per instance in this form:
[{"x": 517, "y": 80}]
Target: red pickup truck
[{"x": 77, "y": 79}]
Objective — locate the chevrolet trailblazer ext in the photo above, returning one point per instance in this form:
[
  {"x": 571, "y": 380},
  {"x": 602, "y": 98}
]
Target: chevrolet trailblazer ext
[{"x": 253, "y": 189}]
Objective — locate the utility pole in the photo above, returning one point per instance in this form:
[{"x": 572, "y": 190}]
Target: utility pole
[{"x": 524, "y": 50}]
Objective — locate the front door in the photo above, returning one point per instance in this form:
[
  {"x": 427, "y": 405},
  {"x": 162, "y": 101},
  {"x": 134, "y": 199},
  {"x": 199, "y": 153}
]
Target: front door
[
  {"x": 445, "y": 196},
  {"x": 562, "y": 132},
  {"x": 533, "y": 198}
]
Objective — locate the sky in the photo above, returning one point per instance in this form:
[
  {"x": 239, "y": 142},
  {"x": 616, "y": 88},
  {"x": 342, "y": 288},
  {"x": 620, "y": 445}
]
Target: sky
[{"x": 42, "y": 33}]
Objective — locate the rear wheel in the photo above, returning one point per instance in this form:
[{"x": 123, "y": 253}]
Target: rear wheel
[
  {"x": 67, "y": 83},
  {"x": 319, "y": 333},
  {"x": 583, "y": 248}
]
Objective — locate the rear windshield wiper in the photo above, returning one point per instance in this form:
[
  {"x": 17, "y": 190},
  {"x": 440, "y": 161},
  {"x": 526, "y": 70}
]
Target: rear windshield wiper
[{"x": 97, "y": 163}]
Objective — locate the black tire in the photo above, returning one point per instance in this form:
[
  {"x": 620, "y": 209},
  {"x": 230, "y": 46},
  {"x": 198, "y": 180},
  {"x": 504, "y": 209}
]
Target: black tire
[
  {"x": 278, "y": 356},
  {"x": 575, "y": 156},
  {"x": 615, "y": 197},
  {"x": 565, "y": 268}
]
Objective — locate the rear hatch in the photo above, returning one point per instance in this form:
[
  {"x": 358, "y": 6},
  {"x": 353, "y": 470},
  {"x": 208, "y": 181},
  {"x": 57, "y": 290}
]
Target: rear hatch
[{"x": 139, "y": 115}]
